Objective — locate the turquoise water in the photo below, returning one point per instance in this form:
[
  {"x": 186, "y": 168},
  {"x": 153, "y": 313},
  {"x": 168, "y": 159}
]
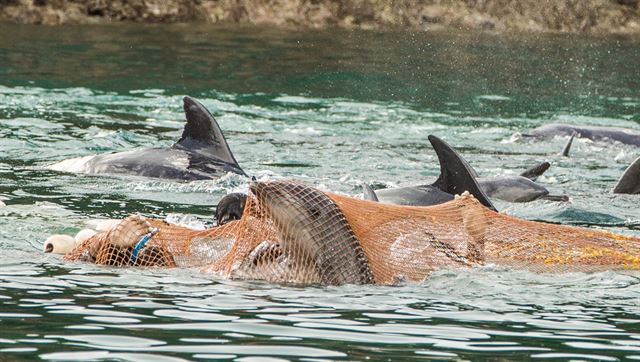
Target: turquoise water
[{"x": 333, "y": 108}]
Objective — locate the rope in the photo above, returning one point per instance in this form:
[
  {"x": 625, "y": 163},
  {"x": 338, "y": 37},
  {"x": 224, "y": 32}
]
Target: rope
[{"x": 141, "y": 243}]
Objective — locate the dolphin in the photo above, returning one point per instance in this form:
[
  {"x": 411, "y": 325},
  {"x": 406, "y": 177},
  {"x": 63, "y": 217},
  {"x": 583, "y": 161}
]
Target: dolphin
[
  {"x": 567, "y": 147},
  {"x": 316, "y": 243},
  {"x": 629, "y": 183},
  {"x": 505, "y": 188},
  {"x": 201, "y": 153},
  {"x": 230, "y": 207},
  {"x": 536, "y": 171},
  {"x": 456, "y": 177},
  {"x": 516, "y": 189},
  {"x": 625, "y": 136},
  {"x": 368, "y": 193},
  {"x": 520, "y": 188}
]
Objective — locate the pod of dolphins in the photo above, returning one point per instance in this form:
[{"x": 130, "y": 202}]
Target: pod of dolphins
[{"x": 202, "y": 153}]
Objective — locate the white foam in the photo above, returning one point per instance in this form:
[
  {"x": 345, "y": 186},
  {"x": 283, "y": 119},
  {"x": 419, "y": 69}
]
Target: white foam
[
  {"x": 297, "y": 100},
  {"x": 189, "y": 221},
  {"x": 494, "y": 97}
]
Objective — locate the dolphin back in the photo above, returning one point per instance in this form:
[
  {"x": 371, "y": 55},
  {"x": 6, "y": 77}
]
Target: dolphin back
[
  {"x": 203, "y": 135},
  {"x": 368, "y": 193},
  {"x": 536, "y": 171},
  {"x": 456, "y": 175},
  {"x": 594, "y": 133},
  {"x": 201, "y": 153},
  {"x": 629, "y": 183},
  {"x": 513, "y": 189}
]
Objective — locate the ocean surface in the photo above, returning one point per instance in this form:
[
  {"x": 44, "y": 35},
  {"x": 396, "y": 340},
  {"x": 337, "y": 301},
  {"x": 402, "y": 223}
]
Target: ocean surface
[{"x": 334, "y": 109}]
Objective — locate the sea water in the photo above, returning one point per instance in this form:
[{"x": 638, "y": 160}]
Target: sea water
[{"x": 333, "y": 109}]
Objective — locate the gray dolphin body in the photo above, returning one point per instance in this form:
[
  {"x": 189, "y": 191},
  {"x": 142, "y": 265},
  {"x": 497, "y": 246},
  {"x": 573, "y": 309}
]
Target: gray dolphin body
[
  {"x": 230, "y": 207},
  {"x": 506, "y": 188},
  {"x": 512, "y": 188},
  {"x": 201, "y": 153},
  {"x": 625, "y": 136},
  {"x": 629, "y": 183},
  {"x": 422, "y": 195},
  {"x": 317, "y": 243},
  {"x": 456, "y": 177},
  {"x": 522, "y": 188}
]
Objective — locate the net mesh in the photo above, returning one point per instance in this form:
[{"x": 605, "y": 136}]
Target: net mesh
[{"x": 290, "y": 232}]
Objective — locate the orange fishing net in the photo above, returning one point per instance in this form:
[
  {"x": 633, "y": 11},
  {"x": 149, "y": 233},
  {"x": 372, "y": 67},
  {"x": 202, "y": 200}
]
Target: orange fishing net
[{"x": 291, "y": 232}]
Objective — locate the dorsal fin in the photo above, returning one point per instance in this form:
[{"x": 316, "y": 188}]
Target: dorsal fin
[
  {"x": 202, "y": 133},
  {"x": 629, "y": 183},
  {"x": 567, "y": 147},
  {"x": 456, "y": 175},
  {"x": 368, "y": 193},
  {"x": 536, "y": 171}
]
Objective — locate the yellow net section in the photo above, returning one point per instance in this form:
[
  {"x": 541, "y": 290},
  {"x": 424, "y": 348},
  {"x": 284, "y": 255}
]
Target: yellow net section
[{"x": 290, "y": 232}]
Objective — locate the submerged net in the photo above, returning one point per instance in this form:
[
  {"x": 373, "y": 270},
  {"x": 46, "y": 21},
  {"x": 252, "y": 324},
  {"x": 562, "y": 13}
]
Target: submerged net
[{"x": 290, "y": 232}]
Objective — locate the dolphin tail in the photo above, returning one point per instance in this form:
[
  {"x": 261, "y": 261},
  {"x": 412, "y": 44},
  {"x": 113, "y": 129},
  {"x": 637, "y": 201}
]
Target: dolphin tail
[
  {"x": 456, "y": 175},
  {"x": 629, "y": 183},
  {"x": 368, "y": 193},
  {"x": 202, "y": 133},
  {"x": 534, "y": 172},
  {"x": 567, "y": 147}
]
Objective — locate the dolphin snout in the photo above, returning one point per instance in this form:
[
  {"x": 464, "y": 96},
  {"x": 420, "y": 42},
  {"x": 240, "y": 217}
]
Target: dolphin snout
[
  {"x": 230, "y": 207},
  {"x": 255, "y": 187},
  {"x": 277, "y": 190},
  {"x": 260, "y": 189},
  {"x": 188, "y": 101}
]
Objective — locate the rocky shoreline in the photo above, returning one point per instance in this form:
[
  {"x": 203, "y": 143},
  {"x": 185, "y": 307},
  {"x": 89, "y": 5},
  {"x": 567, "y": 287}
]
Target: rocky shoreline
[{"x": 560, "y": 16}]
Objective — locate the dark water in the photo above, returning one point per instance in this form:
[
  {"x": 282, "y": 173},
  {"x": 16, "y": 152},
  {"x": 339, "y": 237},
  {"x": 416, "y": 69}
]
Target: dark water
[{"x": 333, "y": 108}]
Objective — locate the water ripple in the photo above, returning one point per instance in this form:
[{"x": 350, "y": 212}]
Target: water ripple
[{"x": 336, "y": 110}]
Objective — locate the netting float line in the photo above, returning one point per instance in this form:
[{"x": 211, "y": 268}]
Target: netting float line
[{"x": 293, "y": 233}]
